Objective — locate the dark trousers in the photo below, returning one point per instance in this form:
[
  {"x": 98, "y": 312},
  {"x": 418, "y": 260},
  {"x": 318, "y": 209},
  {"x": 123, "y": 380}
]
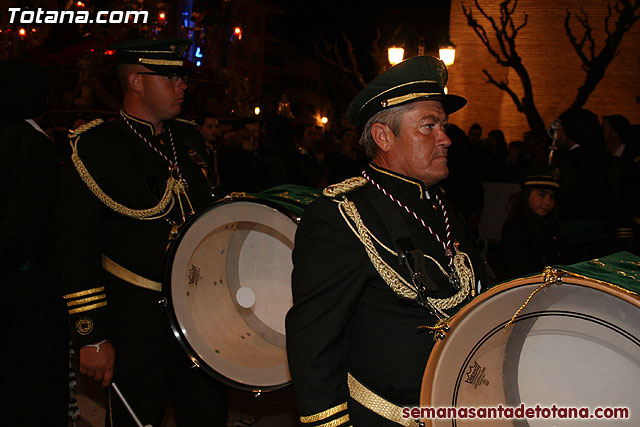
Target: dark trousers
[
  {"x": 151, "y": 373},
  {"x": 34, "y": 367}
]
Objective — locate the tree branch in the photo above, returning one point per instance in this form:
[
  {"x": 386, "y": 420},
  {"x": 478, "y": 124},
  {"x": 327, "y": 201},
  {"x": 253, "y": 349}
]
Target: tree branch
[
  {"x": 481, "y": 32},
  {"x": 505, "y": 30},
  {"x": 504, "y": 85},
  {"x": 332, "y": 55}
]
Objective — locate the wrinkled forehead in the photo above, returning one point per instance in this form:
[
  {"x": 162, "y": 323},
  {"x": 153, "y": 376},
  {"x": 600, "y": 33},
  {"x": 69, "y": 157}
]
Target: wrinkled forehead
[{"x": 431, "y": 107}]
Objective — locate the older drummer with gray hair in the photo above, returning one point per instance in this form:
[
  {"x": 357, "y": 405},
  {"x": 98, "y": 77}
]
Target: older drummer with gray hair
[{"x": 381, "y": 260}]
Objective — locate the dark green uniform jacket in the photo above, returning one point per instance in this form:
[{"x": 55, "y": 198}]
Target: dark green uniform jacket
[
  {"x": 102, "y": 306},
  {"x": 346, "y": 319}
]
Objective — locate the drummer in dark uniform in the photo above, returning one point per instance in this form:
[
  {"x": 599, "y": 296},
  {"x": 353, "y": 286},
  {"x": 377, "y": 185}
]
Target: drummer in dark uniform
[
  {"x": 382, "y": 260},
  {"x": 127, "y": 186}
]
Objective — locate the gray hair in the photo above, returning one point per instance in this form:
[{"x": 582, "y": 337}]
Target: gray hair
[{"x": 391, "y": 117}]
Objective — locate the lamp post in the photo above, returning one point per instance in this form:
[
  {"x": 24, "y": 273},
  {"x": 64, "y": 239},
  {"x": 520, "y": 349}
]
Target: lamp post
[
  {"x": 395, "y": 54},
  {"x": 447, "y": 52}
]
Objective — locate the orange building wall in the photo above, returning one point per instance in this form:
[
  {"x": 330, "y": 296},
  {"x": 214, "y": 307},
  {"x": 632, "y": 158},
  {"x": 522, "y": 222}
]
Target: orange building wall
[{"x": 553, "y": 66}]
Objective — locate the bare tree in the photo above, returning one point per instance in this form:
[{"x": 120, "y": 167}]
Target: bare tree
[
  {"x": 502, "y": 46},
  {"x": 503, "y": 49},
  {"x": 595, "y": 64},
  {"x": 341, "y": 55},
  {"x": 344, "y": 59}
]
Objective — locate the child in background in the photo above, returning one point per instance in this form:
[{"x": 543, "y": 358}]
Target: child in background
[{"x": 532, "y": 236}]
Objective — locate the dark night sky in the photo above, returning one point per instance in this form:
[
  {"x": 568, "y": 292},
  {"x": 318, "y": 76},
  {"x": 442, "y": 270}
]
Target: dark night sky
[{"x": 304, "y": 23}]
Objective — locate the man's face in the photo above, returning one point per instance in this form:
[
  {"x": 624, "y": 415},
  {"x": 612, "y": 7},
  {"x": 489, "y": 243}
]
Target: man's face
[
  {"x": 420, "y": 148},
  {"x": 163, "y": 95},
  {"x": 209, "y": 129}
]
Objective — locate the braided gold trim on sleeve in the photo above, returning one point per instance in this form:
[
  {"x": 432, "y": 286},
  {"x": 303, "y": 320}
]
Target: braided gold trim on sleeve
[
  {"x": 85, "y": 300},
  {"x": 165, "y": 205},
  {"x": 83, "y": 293},
  {"x": 337, "y": 422},
  {"x": 324, "y": 414},
  {"x": 88, "y": 307}
]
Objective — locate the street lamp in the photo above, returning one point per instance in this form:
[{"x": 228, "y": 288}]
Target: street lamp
[
  {"x": 447, "y": 52},
  {"x": 395, "y": 54}
]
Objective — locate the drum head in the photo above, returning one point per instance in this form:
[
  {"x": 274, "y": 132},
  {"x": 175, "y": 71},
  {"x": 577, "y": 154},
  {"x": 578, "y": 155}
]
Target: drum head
[
  {"x": 229, "y": 287},
  {"x": 575, "y": 345}
]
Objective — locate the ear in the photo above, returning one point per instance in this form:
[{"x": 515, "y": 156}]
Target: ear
[
  {"x": 383, "y": 136},
  {"x": 135, "y": 82}
]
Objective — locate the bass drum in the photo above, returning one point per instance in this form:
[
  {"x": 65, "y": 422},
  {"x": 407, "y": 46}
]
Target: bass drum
[
  {"x": 228, "y": 287},
  {"x": 574, "y": 344}
]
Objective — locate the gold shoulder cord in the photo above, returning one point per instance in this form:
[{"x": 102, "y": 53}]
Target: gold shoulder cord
[
  {"x": 395, "y": 281},
  {"x": 174, "y": 186}
]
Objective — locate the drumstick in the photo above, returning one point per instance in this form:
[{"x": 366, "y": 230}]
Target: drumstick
[{"x": 126, "y": 405}]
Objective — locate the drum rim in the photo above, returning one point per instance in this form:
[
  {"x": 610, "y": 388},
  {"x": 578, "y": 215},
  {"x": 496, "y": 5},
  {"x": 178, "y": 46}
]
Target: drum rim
[
  {"x": 453, "y": 321},
  {"x": 167, "y": 300}
]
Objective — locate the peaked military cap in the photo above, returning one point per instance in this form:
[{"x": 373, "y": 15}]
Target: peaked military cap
[
  {"x": 541, "y": 177},
  {"x": 415, "y": 79},
  {"x": 163, "y": 56}
]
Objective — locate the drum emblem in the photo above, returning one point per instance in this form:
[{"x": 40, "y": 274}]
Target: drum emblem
[
  {"x": 194, "y": 275},
  {"x": 476, "y": 375}
]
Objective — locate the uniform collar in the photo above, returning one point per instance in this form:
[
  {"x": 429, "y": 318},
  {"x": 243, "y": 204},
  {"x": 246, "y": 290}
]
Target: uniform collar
[
  {"x": 140, "y": 125},
  {"x": 399, "y": 185}
]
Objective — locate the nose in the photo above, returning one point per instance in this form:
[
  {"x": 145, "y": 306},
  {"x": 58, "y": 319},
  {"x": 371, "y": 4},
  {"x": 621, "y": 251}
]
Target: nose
[
  {"x": 442, "y": 139},
  {"x": 181, "y": 83}
]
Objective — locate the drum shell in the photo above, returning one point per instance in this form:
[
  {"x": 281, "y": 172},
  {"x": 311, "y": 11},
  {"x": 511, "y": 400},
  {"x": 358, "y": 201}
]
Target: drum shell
[
  {"x": 485, "y": 361},
  {"x": 230, "y": 342}
]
